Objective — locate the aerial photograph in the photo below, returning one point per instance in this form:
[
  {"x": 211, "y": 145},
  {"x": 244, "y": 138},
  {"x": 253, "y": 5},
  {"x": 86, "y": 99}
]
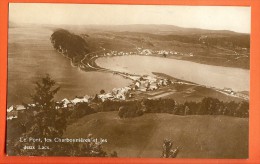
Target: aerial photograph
[{"x": 128, "y": 81}]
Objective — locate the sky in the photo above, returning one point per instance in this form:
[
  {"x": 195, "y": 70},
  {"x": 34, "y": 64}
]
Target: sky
[{"x": 206, "y": 17}]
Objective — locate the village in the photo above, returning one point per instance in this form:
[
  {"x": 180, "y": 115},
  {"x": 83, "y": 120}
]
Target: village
[
  {"x": 140, "y": 83},
  {"x": 148, "y": 52}
]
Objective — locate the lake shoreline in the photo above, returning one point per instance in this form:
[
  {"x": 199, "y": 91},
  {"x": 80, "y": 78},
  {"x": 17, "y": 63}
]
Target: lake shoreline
[
  {"x": 163, "y": 75},
  {"x": 224, "y": 76},
  {"x": 95, "y": 67}
]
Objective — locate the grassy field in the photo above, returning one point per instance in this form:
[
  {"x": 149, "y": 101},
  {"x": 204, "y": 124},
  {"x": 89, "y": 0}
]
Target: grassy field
[
  {"x": 184, "y": 93},
  {"x": 198, "y": 136}
]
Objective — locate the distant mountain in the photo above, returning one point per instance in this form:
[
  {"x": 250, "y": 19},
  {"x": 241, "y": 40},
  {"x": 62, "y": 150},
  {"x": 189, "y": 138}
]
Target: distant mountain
[
  {"x": 156, "y": 29},
  {"x": 141, "y": 28}
]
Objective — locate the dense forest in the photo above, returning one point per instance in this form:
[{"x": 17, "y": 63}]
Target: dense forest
[
  {"x": 207, "y": 106},
  {"x": 71, "y": 45}
]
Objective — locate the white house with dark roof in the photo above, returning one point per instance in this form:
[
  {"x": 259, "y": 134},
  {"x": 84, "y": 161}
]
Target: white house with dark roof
[
  {"x": 79, "y": 100},
  {"x": 16, "y": 107}
]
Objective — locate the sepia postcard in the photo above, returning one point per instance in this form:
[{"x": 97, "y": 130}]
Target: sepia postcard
[{"x": 138, "y": 81}]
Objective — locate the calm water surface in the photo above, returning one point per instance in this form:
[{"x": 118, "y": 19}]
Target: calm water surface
[
  {"x": 214, "y": 76},
  {"x": 31, "y": 56}
]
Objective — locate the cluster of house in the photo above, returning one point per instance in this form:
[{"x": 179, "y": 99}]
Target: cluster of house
[
  {"x": 121, "y": 53},
  {"x": 147, "y": 52},
  {"x": 161, "y": 52},
  {"x": 116, "y": 94},
  {"x": 147, "y": 83},
  {"x": 71, "y": 103},
  {"x": 140, "y": 83},
  {"x": 14, "y": 110},
  {"x": 230, "y": 92},
  {"x": 164, "y": 52}
]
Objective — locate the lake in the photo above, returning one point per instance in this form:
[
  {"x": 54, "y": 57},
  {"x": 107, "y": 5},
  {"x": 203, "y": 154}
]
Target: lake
[
  {"x": 31, "y": 56},
  {"x": 208, "y": 75}
]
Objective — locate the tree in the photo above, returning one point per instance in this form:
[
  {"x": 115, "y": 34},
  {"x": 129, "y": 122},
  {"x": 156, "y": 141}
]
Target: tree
[
  {"x": 44, "y": 93},
  {"x": 46, "y": 121},
  {"x": 164, "y": 55},
  {"x": 102, "y": 91},
  {"x": 47, "y": 118},
  {"x": 209, "y": 106},
  {"x": 96, "y": 99},
  {"x": 186, "y": 110},
  {"x": 242, "y": 109},
  {"x": 168, "y": 152},
  {"x": 81, "y": 109},
  {"x": 113, "y": 154},
  {"x": 122, "y": 111}
]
